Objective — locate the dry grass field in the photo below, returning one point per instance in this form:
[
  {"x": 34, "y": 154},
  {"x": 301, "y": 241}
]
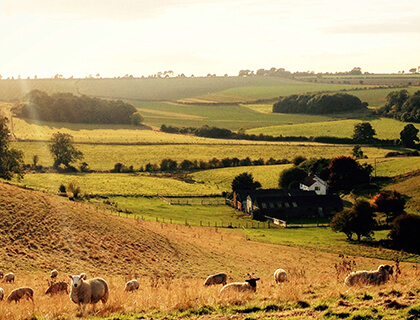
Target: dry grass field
[{"x": 41, "y": 232}]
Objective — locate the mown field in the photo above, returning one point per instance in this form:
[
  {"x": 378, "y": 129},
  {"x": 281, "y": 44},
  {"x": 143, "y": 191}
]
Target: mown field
[{"x": 104, "y": 157}]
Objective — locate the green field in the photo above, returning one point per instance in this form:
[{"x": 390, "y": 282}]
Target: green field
[{"x": 385, "y": 128}]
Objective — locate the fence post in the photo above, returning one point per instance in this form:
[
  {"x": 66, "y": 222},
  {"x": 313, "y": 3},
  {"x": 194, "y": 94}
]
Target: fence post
[
  {"x": 201, "y": 223},
  {"x": 171, "y": 220},
  {"x": 209, "y": 223},
  {"x": 186, "y": 223},
  {"x": 163, "y": 220}
]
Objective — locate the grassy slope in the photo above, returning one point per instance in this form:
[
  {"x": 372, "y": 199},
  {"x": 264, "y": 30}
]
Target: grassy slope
[{"x": 41, "y": 232}]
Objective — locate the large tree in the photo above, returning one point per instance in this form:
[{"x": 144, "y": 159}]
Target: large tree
[
  {"x": 408, "y": 135},
  {"x": 392, "y": 203},
  {"x": 11, "y": 160},
  {"x": 346, "y": 173},
  {"x": 290, "y": 178},
  {"x": 359, "y": 220},
  {"x": 363, "y": 132},
  {"x": 245, "y": 181},
  {"x": 63, "y": 150}
]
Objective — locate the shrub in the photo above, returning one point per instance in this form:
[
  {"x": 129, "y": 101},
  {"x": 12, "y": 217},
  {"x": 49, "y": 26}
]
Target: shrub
[{"x": 405, "y": 233}]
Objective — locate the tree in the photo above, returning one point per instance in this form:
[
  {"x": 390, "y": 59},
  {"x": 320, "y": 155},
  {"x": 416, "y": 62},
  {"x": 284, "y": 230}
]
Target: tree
[
  {"x": 357, "y": 152},
  {"x": 318, "y": 167},
  {"x": 346, "y": 173},
  {"x": 290, "y": 178},
  {"x": 136, "y": 119},
  {"x": 405, "y": 233},
  {"x": 245, "y": 181},
  {"x": 359, "y": 220},
  {"x": 63, "y": 151},
  {"x": 408, "y": 135},
  {"x": 363, "y": 132},
  {"x": 11, "y": 160},
  {"x": 392, "y": 203}
]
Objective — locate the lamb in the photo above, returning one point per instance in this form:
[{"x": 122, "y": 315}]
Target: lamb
[
  {"x": 132, "y": 285},
  {"x": 219, "y": 278},
  {"x": 9, "y": 277},
  {"x": 57, "y": 287},
  {"x": 83, "y": 292},
  {"x": 376, "y": 277},
  {"x": 19, "y": 293},
  {"x": 54, "y": 274},
  {"x": 280, "y": 275},
  {"x": 248, "y": 285},
  {"x": 1, "y": 294}
]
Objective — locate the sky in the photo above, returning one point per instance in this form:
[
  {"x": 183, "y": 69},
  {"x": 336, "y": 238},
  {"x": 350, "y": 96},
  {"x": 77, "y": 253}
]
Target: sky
[{"x": 143, "y": 37}]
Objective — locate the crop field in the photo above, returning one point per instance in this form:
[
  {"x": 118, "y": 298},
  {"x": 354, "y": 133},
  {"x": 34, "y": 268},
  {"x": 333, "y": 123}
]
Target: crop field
[
  {"x": 385, "y": 128},
  {"x": 104, "y": 157},
  {"x": 377, "y": 97}
]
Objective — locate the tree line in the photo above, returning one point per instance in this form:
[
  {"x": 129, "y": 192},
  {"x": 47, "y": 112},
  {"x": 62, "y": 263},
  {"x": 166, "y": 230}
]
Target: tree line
[
  {"x": 319, "y": 103},
  {"x": 402, "y": 106},
  {"x": 66, "y": 107}
]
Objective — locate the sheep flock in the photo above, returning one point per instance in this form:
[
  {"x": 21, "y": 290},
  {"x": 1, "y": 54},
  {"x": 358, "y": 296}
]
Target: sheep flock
[{"x": 84, "y": 291}]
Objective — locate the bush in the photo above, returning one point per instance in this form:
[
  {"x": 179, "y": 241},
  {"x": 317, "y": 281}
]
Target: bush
[{"x": 405, "y": 233}]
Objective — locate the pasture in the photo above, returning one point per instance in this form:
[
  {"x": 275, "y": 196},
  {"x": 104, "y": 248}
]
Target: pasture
[{"x": 385, "y": 128}]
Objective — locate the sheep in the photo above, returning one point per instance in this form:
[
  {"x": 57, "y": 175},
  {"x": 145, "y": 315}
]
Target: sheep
[
  {"x": 1, "y": 294},
  {"x": 248, "y": 285},
  {"x": 219, "y": 278},
  {"x": 57, "y": 287},
  {"x": 280, "y": 275},
  {"x": 87, "y": 292},
  {"x": 19, "y": 293},
  {"x": 377, "y": 277},
  {"x": 54, "y": 274},
  {"x": 132, "y": 285},
  {"x": 9, "y": 277}
]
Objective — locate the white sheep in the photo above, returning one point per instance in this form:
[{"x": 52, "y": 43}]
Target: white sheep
[
  {"x": 132, "y": 285},
  {"x": 87, "y": 292},
  {"x": 54, "y": 274},
  {"x": 377, "y": 277},
  {"x": 248, "y": 285},
  {"x": 9, "y": 277},
  {"x": 219, "y": 278},
  {"x": 1, "y": 294},
  {"x": 280, "y": 275},
  {"x": 19, "y": 293}
]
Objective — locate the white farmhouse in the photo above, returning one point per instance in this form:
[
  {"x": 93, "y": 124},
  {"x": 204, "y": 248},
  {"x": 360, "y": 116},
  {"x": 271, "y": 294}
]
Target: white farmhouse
[{"x": 314, "y": 183}]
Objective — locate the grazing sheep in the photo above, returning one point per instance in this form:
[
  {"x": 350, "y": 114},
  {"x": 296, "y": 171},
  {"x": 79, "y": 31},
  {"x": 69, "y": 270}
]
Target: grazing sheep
[
  {"x": 9, "y": 277},
  {"x": 19, "y": 293},
  {"x": 220, "y": 278},
  {"x": 1, "y": 294},
  {"x": 54, "y": 274},
  {"x": 88, "y": 292},
  {"x": 248, "y": 285},
  {"x": 280, "y": 275},
  {"x": 57, "y": 287},
  {"x": 376, "y": 277},
  {"x": 132, "y": 285}
]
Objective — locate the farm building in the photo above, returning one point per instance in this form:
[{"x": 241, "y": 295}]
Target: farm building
[
  {"x": 314, "y": 183},
  {"x": 284, "y": 203}
]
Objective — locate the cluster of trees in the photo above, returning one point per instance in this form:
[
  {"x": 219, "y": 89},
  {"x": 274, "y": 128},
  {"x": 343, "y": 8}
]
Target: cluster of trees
[
  {"x": 172, "y": 166},
  {"x": 272, "y": 72},
  {"x": 341, "y": 173},
  {"x": 361, "y": 219},
  {"x": 402, "y": 106},
  {"x": 319, "y": 103},
  {"x": 66, "y": 107},
  {"x": 220, "y": 133}
]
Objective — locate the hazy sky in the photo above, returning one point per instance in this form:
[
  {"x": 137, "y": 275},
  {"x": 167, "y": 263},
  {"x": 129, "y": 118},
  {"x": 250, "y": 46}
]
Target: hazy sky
[{"x": 143, "y": 37}]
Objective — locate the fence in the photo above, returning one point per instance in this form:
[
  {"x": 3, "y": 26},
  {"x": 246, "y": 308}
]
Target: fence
[{"x": 193, "y": 201}]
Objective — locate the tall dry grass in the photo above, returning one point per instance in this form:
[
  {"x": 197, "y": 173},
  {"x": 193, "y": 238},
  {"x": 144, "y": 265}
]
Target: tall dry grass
[{"x": 162, "y": 293}]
